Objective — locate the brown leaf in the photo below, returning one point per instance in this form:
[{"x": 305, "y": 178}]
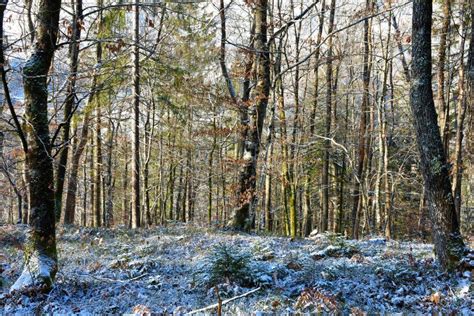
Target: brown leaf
[
  {"x": 435, "y": 298},
  {"x": 141, "y": 310},
  {"x": 294, "y": 266}
]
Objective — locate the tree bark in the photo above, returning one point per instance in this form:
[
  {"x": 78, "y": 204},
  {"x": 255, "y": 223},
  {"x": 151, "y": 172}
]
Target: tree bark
[
  {"x": 296, "y": 125},
  {"x": 448, "y": 243},
  {"x": 97, "y": 205},
  {"x": 362, "y": 148},
  {"x": 461, "y": 110},
  {"x": 69, "y": 106},
  {"x": 440, "y": 98},
  {"x": 41, "y": 257},
  {"x": 312, "y": 118},
  {"x": 327, "y": 130},
  {"x": 210, "y": 168},
  {"x": 109, "y": 178},
  {"x": 136, "y": 220},
  {"x": 380, "y": 209},
  {"x": 257, "y": 110},
  {"x": 386, "y": 181},
  {"x": 70, "y": 210}
]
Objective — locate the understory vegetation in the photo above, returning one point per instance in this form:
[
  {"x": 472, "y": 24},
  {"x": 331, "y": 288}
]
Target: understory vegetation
[{"x": 176, "y": 269}]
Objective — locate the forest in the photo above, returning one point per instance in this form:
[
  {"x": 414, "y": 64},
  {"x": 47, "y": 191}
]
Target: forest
[{"x": 257, "y": 157}]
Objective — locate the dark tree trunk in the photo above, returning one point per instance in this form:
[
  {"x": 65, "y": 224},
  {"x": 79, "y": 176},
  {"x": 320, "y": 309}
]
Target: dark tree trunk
[
  {"x": 70, "y": 210},
  {"x": 69, "y": 106},
  {"x": 125, "y": 202},
  {"x": 109, "y": 180},
  {"x": 97, "y": 204},
  {"x": 41, "y": 259},
  {"x": 327, "y": 131},
  {"x": 248, "y": 173},
  {"x": 443, "y": 108},
  {"x": 136, "y": 218},
  {"x": 449, "y": 246}
]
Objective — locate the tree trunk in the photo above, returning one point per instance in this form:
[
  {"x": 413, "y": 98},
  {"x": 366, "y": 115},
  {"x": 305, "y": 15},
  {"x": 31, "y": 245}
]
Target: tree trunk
[
  {"x": 386, "y": 180},
  {"x": 70, "y": 210},
  {"x": 296, "y": 125},
  {"x": 327, "y": 131},
  {"x": 448, "y": 243},
  {"x": 136, "y": 221},
  {"x": 440, "y": 98},
  {"x": 125, "y": 188},
  {"x": 41, "y": 259},
  {"x": 461, "y": 110},
  {"x": 362, "y": 148},
  {"x": 148, "y": 141},
  {"x": 382, "y": 137},
  {"x": 69, "y": 106},
  {"x": 257, "y": 110},
  {"x": 210, "y": 168},
  {"x": 268, "y": 194},
  {"x": 108, "y": 179},
  {"x": 287, "y": 188},
  {"x": 97, "y": 150},
  {"x": 312, "y": 118},
  {"x": 97, "y": 205}
]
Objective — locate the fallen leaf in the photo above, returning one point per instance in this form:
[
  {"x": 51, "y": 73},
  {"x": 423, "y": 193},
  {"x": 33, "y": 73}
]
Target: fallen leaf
[
  {"x": 141, "y": 310},
  {"x": 435, "y": 298}
]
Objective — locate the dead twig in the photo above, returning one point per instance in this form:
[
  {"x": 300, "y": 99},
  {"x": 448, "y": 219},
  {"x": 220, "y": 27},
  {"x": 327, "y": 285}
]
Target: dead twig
[
  {"x": 115, "y": 280},
  {"x": 217, "y": 305}
]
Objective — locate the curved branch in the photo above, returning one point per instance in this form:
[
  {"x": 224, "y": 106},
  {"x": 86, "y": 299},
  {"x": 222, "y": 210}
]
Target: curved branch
[{"x": 21, "y": 134}]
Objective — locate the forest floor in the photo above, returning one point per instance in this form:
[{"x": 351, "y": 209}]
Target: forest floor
[{"x": 174, "y": 270}]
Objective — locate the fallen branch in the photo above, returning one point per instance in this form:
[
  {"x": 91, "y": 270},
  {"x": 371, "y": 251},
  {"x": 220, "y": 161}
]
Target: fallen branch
[
  {"x": 223, "y": 302},
  {"x": 114, "y": 280}
]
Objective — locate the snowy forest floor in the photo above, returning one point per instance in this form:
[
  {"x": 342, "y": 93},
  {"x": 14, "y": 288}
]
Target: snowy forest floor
[{"x": 174, "y": 269}]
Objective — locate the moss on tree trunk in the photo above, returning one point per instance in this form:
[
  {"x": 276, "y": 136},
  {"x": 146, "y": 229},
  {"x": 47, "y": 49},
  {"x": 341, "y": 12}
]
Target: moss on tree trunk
[
  {"x": 448, "y": 243},
  {"x": 40, "y": 253}
]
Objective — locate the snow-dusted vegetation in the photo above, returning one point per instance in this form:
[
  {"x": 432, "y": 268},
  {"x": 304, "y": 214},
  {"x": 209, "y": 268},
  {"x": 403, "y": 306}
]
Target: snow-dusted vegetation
[{"x": 181, "y": 269}]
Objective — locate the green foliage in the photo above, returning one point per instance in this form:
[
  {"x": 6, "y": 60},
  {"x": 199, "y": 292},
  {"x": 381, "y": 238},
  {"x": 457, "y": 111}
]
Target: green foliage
[
  {"x": 338, "y": 247},
  {"x": 113, "y": 22},
  {"x": 226, "y": 263},
  {"x": 436, "y": 165},
  {"x": 337, "y": 240}
]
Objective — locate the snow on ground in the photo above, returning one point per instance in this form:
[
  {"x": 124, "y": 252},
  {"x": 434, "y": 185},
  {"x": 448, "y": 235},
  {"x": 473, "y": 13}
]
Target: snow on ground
[{"x": 168, "y": 270}]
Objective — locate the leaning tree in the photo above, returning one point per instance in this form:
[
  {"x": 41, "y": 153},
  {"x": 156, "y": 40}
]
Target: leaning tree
[{"x": 448, "y": 243}]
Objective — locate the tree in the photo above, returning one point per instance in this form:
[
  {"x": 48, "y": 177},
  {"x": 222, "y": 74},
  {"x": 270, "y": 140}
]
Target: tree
[
  {"x": 448, "y": 243},
  {"x": 461, "y": 109},
  {"x": 256, "y": 113},
  {"x": 362, "y": 147},
  {"x": 40, "y": 255},
  {"x": 312, "y": 118},
  {"x": 136, "y": 218},
  {"x": 327, "y": 132},
  {"x": 70, "y": 105},
  {"x": 444, "y": 46}
]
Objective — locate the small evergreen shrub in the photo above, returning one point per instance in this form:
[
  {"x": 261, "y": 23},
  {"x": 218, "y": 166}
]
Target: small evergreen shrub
[{"x": 225, "y": 264}]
